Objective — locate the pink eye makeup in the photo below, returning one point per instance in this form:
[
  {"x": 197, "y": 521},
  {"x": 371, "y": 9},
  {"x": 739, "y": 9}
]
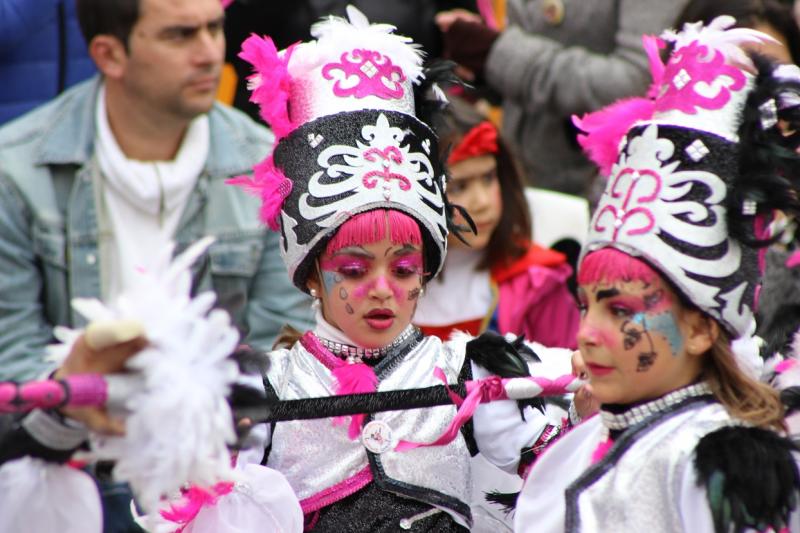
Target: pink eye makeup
[
  {"x": 410, "y": 265},
  {"x": 347, "y": 266}
]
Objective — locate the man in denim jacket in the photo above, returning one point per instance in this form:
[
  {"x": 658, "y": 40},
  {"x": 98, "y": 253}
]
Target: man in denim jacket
[{"x": 70, "y": 173}]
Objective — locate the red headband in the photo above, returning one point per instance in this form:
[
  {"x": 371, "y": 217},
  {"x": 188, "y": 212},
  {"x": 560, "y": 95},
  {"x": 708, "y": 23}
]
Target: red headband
[{"x": 480, "y": 140}]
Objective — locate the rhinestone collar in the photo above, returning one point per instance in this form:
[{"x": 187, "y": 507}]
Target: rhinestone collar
[
  {"x": 641, "y": 412},
  {"x": 356, "y": 352}
]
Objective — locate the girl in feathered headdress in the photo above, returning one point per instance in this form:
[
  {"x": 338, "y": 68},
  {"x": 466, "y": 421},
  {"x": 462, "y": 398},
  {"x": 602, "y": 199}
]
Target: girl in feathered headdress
[
  {"x": 356, "y": 189},
  {"x": 687, "y": 438}
]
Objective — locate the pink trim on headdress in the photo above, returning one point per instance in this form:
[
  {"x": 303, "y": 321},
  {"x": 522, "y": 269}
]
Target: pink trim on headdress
[
  {"x": 375, "y": 73},
  {"x": 480, "y": 140},
  {"x": 370, "y": 226},
  {"x": 611, "y": 265},
  {"x": 690, "y": 68},
  {"x": 271, "y": 83},
  {"x": 269, "y": 184},
  {"x": 605, "y": 129},
  {"x": 623, "y": 213}
]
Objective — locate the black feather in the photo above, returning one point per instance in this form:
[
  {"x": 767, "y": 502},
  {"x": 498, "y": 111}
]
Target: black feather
[
  {"x": 769, "y": 166},
  {"x": 750, "y": 476},
  {"x": 251, "y": 361},
  {"x": 439, "y": 73},
  {"x": 506, "y": 500},
  {"x": 790, "y": 398},
  {"x": 502, "y": 358}
]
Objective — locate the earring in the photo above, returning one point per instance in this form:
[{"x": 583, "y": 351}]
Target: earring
[{"x": 313, "y": 293}]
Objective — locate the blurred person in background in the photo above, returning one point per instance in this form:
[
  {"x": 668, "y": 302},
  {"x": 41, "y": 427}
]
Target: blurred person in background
[
  {"x": 504, "y": 281},
  {"x": 772, "y": 17},
  {"x": 554, "y": 59},
  {"x": 42, "y": 53}
]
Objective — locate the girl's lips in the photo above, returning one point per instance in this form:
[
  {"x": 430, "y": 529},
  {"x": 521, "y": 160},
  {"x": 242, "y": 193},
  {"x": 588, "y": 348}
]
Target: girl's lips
[
  {"x": 380, "y": 319},
  {"x": 598, "y": 370}
]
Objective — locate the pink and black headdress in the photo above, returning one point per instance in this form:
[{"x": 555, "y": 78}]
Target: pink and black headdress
[
  {"x": 698, "y": 167},
  {"x": 346, "y": 111}
]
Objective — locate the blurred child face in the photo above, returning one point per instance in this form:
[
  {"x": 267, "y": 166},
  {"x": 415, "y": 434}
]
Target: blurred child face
[
  {"x": 637, "y": 340},
  {"x": 474, "y": 186},
  {"x": 370, "y": 291}
]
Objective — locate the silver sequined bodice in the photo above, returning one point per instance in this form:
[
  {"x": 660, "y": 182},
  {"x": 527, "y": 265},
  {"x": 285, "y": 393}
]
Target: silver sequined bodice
[{"x": 315, "y": 454}]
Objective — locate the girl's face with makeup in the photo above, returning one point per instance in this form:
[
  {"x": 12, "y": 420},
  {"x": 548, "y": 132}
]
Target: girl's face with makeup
[
  {"x": 370, "y": 291},
  {"x": 633, "y": 339}
]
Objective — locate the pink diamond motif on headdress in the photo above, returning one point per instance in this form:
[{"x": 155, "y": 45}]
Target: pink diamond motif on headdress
[
  {"x": 369, "y": 69},
  {"x": 700, "y": 78},
  {"x": 362, "y": 73},
  {"x": 386, "y": 158},
  {"x": 629, "y": 207},
  {"x": 681, "y": 79}
]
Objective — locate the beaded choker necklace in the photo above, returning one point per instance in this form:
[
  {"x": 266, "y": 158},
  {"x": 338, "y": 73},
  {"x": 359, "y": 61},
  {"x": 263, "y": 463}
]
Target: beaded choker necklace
[
  {"x": 639, "y": 413},
  {"x": 349, "y": 351}
]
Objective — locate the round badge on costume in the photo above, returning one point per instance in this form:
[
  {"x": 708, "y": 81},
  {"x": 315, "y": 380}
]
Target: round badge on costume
[
  {"x": 553, "y": 11},
  {"x": 377, "y": 436}
]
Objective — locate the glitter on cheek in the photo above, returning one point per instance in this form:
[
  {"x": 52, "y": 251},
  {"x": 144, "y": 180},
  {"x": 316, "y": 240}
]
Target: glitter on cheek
[
  {"x": 665, "y": 324},
  {"x": 349, "y": 309},
  {"x": 413, "y": 294},
  {"x": 342, "y": 293}
]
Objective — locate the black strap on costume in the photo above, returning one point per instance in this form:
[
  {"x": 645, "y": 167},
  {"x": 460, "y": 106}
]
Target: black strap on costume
[{"x": 352, "y": 404}]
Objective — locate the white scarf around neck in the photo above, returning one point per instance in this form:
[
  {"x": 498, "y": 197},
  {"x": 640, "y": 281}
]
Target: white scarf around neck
[{"x": 142, "y": 201}]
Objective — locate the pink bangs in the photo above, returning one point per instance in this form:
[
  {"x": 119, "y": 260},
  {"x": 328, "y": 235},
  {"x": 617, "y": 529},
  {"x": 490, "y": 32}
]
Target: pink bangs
[
  {"x": 369, "y": 227},
  {"x": 610, "y": 265}
]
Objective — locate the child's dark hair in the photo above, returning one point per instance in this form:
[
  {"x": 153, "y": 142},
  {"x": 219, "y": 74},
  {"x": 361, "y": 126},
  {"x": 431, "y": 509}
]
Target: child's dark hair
[{"x": 513, "y": 232}]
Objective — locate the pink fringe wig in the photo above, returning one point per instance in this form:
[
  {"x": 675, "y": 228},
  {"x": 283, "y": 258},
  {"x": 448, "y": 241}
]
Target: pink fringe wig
[
  {"x": 369, "y": 227},
  {"x": 609, "y": 265}
]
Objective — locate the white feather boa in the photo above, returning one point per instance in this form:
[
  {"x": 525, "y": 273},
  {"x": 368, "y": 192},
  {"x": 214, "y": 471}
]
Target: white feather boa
[{"x": 178, "y": 422}]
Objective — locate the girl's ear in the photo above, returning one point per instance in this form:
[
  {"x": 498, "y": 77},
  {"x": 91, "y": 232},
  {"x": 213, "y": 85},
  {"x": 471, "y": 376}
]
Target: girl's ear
[
  {"x": 702, "y": 332},
  {"x": 313, "y": 285}
]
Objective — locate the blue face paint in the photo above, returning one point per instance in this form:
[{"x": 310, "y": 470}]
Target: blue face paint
[
  {"x": 329, "y": 279},
  {"x": 665, "y": 324}
]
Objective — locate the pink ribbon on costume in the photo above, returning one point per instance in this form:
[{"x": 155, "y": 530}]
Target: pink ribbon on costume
[
  {"x": 489, "y": 389},
  {"x": 484, "y": 390},
  {"x": 349, "y": 378}
]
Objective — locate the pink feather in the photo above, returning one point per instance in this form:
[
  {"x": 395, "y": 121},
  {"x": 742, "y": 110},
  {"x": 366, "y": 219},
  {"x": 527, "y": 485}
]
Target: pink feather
[
  {"x": 269, "y": 184},
  {"x": 604, "y": 129},
  {"x": 354, "y": 378},
  {"x": 194, "y": 499},
  {"x": 271, "y": 83}
]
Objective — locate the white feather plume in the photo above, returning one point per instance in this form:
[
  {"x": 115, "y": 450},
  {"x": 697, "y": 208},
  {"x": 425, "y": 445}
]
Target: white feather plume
[
  {"x": 720, "y": 35},
  {"x": 335, "y": 34},
  {"x": 178, "y": 422}
]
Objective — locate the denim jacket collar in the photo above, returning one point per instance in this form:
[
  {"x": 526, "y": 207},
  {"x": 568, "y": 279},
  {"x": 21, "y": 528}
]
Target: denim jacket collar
[{"x": 69, "y": 141}]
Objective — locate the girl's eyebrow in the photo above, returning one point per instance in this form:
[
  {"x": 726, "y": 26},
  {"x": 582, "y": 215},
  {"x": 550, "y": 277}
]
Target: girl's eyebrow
[
  {"x": 406, "y": 249},
  {"x": 353, "y": 250},
  {"x": 606, "y": 293}
]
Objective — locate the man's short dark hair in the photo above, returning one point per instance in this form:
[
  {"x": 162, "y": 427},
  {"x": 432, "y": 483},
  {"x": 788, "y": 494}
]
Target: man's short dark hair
[{"x": 107, "y": 17}]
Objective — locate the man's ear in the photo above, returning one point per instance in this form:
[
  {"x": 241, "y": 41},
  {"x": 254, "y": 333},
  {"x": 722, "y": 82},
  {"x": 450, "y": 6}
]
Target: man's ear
[
  {"x": 109, "y": 54},
  {"x": 703, "y": 332}
]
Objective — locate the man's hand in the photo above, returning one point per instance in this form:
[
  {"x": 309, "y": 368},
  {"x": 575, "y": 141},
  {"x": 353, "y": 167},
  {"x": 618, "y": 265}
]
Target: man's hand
[{"x": 104, "y": 348}]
